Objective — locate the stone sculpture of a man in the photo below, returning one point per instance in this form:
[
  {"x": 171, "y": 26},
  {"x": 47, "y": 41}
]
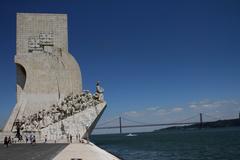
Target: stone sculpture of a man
[{"x": 99, "y": 91}]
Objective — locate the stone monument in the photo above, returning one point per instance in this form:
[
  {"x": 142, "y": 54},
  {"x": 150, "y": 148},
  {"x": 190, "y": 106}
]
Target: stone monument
[{"x": 49, "y": 95}]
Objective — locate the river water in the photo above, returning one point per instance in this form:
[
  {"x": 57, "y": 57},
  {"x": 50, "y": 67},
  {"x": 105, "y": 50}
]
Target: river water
[{"x": 204, "y": 144}]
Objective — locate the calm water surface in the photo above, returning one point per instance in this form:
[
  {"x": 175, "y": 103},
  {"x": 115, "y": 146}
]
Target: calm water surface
[{"x": 205, "y": 144}]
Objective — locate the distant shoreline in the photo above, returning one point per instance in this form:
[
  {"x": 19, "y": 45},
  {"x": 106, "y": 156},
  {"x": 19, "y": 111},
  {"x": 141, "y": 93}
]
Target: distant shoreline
[{"x": 214, "y": 124}]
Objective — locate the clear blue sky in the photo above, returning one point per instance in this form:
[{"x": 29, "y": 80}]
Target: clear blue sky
[{"x": 159, "y": 56}]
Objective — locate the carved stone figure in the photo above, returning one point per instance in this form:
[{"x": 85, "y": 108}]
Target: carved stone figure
[{"x": 99, "y": 92}]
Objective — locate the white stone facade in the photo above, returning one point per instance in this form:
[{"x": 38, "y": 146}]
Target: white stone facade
[
  {"x": 47, "y": 73},
  {"x": 79, "y": 124}
]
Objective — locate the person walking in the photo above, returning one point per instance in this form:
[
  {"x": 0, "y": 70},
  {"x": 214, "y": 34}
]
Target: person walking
[{"x": 9, "y": 140}]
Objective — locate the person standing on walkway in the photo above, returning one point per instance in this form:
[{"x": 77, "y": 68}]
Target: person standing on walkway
[
  {"x": 34, "y": 140},
  {"x": 70, "y": 138},
  {"x": 9, "y": 140},
  {"x": 6, "y": 141},
  {"x": 26, "y": 138},
  {"x": 31, "y": 138},
  {"x": 45, "y": 140},
  {"x": 77, "y": 137},
  {"x": 87, "y": 133}
]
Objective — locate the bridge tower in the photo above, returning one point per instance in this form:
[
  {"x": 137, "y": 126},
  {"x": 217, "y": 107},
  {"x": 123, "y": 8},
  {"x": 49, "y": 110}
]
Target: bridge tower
[
  {"x": 201, "y": 121},
  {"x": 120, "y": 125}
]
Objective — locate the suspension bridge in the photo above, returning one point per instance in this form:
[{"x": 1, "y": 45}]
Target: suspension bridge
[{"x": 187, "y": 121}]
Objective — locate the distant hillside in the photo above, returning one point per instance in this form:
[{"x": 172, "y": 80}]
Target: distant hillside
[{"x": 215, "y": 124}]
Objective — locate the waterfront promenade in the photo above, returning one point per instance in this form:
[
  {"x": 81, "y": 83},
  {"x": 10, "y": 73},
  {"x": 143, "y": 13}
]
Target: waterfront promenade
[{"x": 58, "y": 151}]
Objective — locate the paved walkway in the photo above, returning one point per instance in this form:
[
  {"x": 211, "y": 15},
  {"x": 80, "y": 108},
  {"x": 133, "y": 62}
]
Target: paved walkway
[
  {"x": 56, "y": 151},
  {"x": 30, "y": 152},
  {"x": 80, "y": 151}
]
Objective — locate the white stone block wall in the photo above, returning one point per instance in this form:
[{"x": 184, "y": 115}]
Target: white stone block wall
[
  {"x": 75, "y": 124},
  {"x": 43, "y": 77}
]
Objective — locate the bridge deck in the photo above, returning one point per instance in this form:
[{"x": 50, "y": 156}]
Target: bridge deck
[{"x": 148, "y": 125}]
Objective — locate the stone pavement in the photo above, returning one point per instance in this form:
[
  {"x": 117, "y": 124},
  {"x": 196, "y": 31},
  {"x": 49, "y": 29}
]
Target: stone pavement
[
  {"x": 82, "y": 151},
  {"x": 30, "y": 152},
  {"x": 58, "y": 151}
]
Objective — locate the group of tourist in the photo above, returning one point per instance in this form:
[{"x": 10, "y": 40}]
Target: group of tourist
[
  {"x": 78, "y": 139},
  {"x": 28, "y": 139},
  {"x": 7, "y": 141},
  {"x": 31, "y": 139},
  {"x": 69, "y": 138}
]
